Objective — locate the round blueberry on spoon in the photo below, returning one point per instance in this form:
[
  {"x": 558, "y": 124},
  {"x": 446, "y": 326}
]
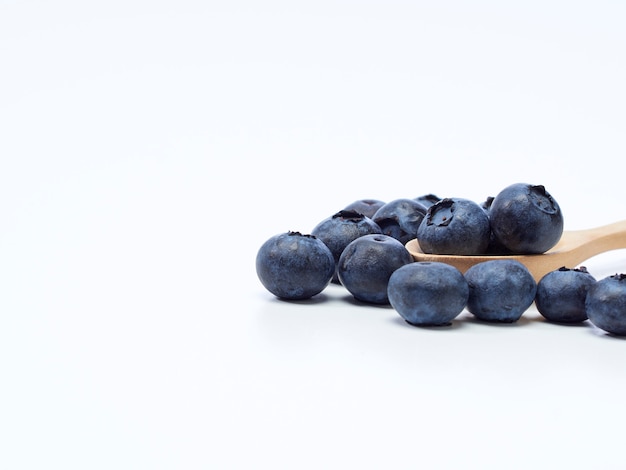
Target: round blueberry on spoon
[{"x": 527, "y": 221}]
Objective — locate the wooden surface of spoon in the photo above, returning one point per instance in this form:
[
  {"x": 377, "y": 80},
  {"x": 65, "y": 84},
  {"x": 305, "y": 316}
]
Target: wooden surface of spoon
[{"x": 574, "y": 247}]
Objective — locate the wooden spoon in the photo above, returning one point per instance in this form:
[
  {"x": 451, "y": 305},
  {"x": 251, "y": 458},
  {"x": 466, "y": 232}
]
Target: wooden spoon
[{"x": 574, "y": 247}]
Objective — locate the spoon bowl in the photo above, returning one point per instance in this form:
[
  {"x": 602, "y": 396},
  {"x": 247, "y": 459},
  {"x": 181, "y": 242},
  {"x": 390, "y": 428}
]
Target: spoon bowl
[{"x": 574, "y": 247}]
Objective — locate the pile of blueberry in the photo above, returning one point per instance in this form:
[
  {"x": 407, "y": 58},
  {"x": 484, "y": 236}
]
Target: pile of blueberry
[{"x": 362, "y": 248}]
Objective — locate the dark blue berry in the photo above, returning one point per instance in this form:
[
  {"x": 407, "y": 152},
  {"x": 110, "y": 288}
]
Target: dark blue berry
[
  {"x": 400, "y": 218},
  {"x": 500, "y": 290},
  {"x": 428, "y": 293},
  {"x": 342, "y": 228},
  {"x": 486, "y": 204},
  {"x": 561, "y": 295},
  {"x": 526, "y": 219},
  {"x": 427, "y": 200},
  {"x": 606, "y": 304},
  {"x": 367, "y": 207},
  {"x": 294, "y": 266},
  {"x": 454, "y": 226},
  {"x": 367, "y": 263}
]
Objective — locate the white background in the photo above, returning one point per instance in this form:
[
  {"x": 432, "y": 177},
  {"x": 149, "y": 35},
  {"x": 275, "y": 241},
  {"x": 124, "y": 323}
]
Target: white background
[{"x": 148, "y": 149}]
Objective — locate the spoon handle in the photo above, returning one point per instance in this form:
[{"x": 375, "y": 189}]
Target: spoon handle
[{"x": 604, "y": 238}]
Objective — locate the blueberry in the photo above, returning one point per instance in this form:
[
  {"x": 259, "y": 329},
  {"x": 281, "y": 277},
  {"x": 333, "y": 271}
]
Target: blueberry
[
  {"x": 428, "y": 293},
  {"x": 486, "y": 204},
  {"x": 500, "y": 290},
  {"x": 561, "y": 295},
  {"x": 606, "y": 304},
  {"x": 427, "y": 200},
  {"x": 342, "y": 228},
  {"x": 400, "y": 218},
  {"x": 526, "y": 219},
  {"x": 294, "y": 266},
  {"x": 367, "y": 207},
  {"x": 367, "y": 263},
  {"x": 454, "y": 226}
]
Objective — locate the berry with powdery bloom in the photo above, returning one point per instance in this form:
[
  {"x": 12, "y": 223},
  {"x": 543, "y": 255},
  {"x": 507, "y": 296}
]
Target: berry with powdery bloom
[
  {"x": 606, "y": 304},
  {"x": 294, "y": 266}
]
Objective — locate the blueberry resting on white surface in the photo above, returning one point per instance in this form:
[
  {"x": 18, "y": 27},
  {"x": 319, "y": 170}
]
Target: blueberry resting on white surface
[
  {"x": 428, "y": 293},
  {"x": 294, "y": 266},
  {"x": 561, "y": 294},
  {"x": 500, "y": 290},
  {"x": 606, "y": 304}
]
